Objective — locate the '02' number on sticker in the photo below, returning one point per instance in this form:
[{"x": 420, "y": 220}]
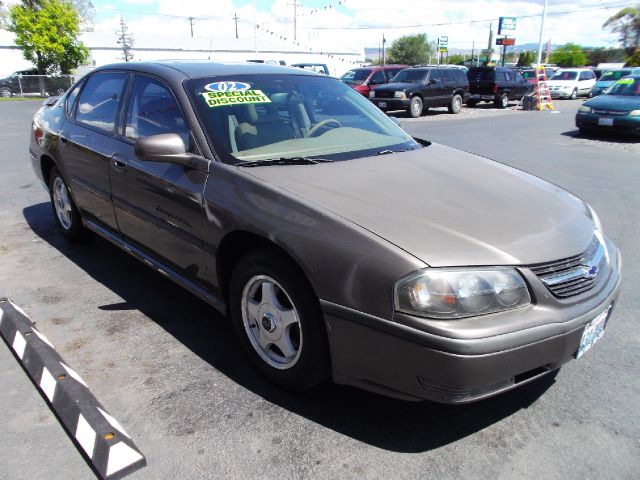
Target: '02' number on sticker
[{"x": 227, "y": 87}]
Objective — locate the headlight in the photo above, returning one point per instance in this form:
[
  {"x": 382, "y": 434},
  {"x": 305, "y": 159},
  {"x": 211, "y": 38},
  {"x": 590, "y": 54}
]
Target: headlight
[
  {"x": 634, "y": 113},
  {"x": 584, "y": 109},
  {"x": 372, "y": 94},
  {"x": 458, "y": 293},
  {"x": 399, "y": 95}
]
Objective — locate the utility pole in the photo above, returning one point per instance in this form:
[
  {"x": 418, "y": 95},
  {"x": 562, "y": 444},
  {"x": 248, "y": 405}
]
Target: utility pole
[
  {"x": 295, "y": 19},
  {"x": 490, "y": 45},
  {"x": 255, "y": 29},
  {"x": 473, "y": 49},
  {"x": 384, "y": 40},
  {"x": 236, "y": 18},
  {"x": 544, "y": 14},
  {"x": 191, "y": 24}
]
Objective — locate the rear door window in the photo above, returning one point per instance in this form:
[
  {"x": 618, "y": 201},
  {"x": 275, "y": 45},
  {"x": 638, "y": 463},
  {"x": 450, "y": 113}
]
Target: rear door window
[
  {"x": 99, "y": 100},
  {"x": 378, "y": 77}
]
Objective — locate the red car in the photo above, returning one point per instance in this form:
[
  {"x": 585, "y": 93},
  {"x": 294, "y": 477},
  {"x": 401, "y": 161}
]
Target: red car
[{"x": 362, "y": 79}]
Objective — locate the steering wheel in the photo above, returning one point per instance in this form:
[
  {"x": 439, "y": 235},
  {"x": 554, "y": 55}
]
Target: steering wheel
[{"x": 321, "y": 124}]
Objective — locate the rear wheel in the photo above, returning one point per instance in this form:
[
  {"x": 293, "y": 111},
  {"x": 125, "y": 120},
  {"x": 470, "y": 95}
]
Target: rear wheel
[
  {"x": 415, "y": 107},
  {"x": 502, "y": 101},
  {"x": 574, "y": 94},
  {"x": 64, "y": 209},
  {"x": 278, "y": 320},
  {"x": 5, "y": 92},
  {"x": 456, "y": 104}
]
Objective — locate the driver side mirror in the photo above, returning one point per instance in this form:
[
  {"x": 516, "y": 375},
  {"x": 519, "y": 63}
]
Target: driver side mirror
[{"x": 169, "y": 148}]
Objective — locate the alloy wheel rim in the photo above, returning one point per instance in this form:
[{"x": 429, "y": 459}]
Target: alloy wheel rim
[
  {"x": 5, "y": 93},
  {"x": 457, "y": 104},
  {"x": 416, "y": 106},
  {"x": 271, "y": 322},
  {"x": 62, "y": 203}
]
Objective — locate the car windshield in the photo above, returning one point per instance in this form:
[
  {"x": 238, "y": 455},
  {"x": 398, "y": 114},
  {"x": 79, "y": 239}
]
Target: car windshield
[
  {"x": 628, "y": 87},
  {"x": 612, "y": 76},
  {"x": 251, "y": 118},
  {"x": 411, "y": 76},
  {"x": 565, "y": 76},
  {"x": 356, "y": 76},
  {"x": 528, "y": 74}
]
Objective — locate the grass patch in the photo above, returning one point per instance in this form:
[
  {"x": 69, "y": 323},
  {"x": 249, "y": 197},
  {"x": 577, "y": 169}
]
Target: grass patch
[{"x": 22, "y": 99}]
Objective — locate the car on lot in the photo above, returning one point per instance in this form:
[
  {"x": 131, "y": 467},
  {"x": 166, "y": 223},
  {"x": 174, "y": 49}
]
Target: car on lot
[
  {"x": 609, "y": 77},
  {"x": 314, "y": 67},
  {"x": 571, "y": 83},
  {"x": 28, "y": 82},
  {"x": 365, "y": 78},
  {"x": 495, "y": 84},
  {"x": 415, "y": 89},
  {"x": 341, "y": 247},
  {"x": 617, "y": 110}
]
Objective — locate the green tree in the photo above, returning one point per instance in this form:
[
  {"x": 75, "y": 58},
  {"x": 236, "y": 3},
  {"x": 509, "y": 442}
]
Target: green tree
[
  {"x": 47, "y": 31},
  {"x": 455, "y": 59},
  {"x": 569, "y": 55},
  {"x": 634, "y": 60},
  {"x": 626, "y": 23},
  {"x": 526, "y": 58},
  {"x": 410, "y": 50},
  {"x": 605, "y": 55}
]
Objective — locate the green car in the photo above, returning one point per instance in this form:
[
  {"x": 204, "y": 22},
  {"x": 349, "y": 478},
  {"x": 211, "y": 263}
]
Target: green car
[{"x": 618, "y": 110}]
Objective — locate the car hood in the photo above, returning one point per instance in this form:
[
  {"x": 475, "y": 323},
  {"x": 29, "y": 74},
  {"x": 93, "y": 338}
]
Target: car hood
[
  {"x": 614, "y": 102},
  {"x": 397, "y": 86},
  {"x": 446, "y": 207}
]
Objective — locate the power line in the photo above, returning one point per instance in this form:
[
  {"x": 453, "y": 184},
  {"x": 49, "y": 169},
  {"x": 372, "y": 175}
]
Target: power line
[{"x": 465, "y": 22}]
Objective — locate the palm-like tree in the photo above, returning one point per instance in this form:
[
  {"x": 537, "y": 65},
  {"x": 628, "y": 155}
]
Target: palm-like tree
[{"x": 627, "y": 24}]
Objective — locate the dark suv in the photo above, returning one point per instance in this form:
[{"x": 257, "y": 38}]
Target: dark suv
[
  {"x": 362, "y": 80},
  {"x": 28, "y": 82},
  {"x": 497, "y": 85},
  {"x": 416, "y": 89}
]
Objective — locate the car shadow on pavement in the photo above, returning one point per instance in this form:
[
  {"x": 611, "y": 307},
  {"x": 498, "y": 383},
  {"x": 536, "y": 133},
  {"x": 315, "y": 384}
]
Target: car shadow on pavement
[
  {"x": 382, "y": 422},
  {"x": 602, "y": 136}
]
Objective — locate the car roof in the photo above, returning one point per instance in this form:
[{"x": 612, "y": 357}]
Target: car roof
[{"x": 193, "y": 69}]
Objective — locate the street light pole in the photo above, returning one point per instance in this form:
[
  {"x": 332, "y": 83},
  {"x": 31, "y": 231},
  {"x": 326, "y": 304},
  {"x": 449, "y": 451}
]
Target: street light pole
[{"x": 544, "y": 14}]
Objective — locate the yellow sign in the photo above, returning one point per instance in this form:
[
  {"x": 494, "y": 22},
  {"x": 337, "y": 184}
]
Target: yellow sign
[{"x": 221, "y": 99}]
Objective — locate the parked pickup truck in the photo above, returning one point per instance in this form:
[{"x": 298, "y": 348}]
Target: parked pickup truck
[{"x": 495, "y": 84}]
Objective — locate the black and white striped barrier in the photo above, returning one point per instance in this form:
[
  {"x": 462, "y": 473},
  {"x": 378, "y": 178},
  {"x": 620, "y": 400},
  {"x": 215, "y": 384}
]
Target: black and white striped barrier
[{"x": 100, "y": 438}]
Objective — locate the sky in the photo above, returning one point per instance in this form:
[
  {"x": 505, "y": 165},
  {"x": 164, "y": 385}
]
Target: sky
[{"x": 362, "y": 23}]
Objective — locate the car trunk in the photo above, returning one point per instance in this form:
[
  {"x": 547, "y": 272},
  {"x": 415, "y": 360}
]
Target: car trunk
[{"x": 481, "y": 81}]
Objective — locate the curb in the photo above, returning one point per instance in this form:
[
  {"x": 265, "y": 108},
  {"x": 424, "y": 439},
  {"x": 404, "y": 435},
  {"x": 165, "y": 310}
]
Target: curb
[{"x": 105, "y": 445}]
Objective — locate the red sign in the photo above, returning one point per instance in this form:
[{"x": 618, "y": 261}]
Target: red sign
[{"x": 505, "y": 41}]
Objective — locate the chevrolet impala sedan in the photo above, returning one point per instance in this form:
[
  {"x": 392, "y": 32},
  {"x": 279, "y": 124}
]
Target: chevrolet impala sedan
[{"x": 340, "y": 247}]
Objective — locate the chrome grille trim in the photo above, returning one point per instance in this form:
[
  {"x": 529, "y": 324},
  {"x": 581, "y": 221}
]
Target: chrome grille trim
[{"x": 574, "y": 275}]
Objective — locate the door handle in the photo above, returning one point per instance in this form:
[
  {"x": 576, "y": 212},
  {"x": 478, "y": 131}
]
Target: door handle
[{"x": 118, "y": 163}]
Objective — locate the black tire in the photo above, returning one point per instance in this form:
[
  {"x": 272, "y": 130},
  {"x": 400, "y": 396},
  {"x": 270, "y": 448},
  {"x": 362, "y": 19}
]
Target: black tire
[
  {"x": 5, "y": 92},
  {"x": 73, "y": 231},
  {"x": 312, "y": 364},
  {"x": 574, "y": 94},
  {"x": 502, "y": 101},
  {"x": 415, "y": 107},
  {"x": 456, "y": 104},
  {"x": 471, "y": 103}
]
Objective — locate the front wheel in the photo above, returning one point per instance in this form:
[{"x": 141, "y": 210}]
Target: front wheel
[
  {"x": 456, "y": 104},
  {"x": 415, "y": 107},
  {"x": 278, "y": 320},
  {"x": 5, "y": 92},
  {"x": 574, "y": 94},
  {"x": 502, "y": 101},
  {"x": 64, "y": 209}
]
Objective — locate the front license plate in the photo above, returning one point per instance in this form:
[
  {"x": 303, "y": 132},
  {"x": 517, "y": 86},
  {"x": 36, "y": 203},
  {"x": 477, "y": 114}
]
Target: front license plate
[
  {"x": 607, "y": 122},
  {"x": 593, "y": 332},
  {"x": 382, "y": 104}
]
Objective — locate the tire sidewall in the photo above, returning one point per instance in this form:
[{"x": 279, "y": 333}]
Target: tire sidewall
[
  {"x": 415, "y": 112},
  {"x": 312, "y": 367}
]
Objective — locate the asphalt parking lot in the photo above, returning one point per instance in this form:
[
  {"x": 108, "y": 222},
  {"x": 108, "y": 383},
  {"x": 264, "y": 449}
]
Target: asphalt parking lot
[{"x": 170, "y": 370}]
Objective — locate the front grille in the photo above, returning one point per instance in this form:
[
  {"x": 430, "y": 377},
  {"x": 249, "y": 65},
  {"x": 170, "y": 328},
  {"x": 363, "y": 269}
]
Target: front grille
[
  {"x": 610, "y": 112},
  {"x": 383, "y": 94},
  {"x": 574, "y": 275}
]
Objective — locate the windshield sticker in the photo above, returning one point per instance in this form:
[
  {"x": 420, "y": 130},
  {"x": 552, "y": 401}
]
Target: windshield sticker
[
  {"x": 227, "y": 87},
  {"x": 625, "y": 81},
  {"x": 234, "y": 97}
]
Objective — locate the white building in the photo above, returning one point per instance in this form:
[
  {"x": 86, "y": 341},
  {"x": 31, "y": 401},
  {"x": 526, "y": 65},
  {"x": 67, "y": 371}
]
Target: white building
[{"x": 103, "y": 50}]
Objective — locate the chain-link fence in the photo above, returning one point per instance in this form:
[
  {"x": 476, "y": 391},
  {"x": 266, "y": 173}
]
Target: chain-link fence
[{"x": 35, "y": 85}]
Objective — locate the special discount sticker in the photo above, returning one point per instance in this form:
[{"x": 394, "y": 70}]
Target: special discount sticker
[{"x": 219, "y": 94}]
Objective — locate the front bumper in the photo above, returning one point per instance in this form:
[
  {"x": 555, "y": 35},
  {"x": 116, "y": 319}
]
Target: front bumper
[
  {"x": 621, "y": 124},
  {"x": 391, "y": 103},
  {"x": 415, "y": 359}
]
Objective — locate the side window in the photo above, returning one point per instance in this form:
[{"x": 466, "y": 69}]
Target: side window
[
  {"x": 390, "y": 73},
  {"x": 500, "y": 76},
  {"x": 508, "y": 76},
  {"x": 98, "y": 102},
  {"x": 378, "y": 77},
  {"x": 434, "y": 74},
  {"x": 153, "y": 110},
  {"x": 447, "y": 75},
  {"x": 71, "y": 98}
]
